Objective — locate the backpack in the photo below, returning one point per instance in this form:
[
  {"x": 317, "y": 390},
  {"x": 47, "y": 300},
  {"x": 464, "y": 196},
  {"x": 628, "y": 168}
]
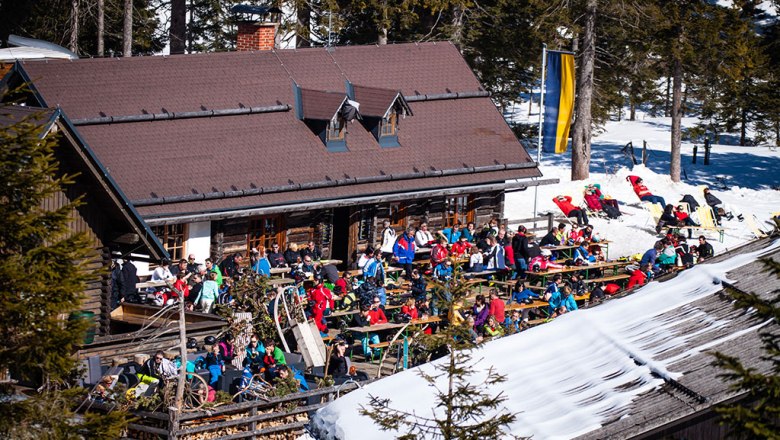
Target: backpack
[
  {"x": 692, "y": 203},
  {"x": 611, "y": 211},
  {"x": 365, "y": 293}
]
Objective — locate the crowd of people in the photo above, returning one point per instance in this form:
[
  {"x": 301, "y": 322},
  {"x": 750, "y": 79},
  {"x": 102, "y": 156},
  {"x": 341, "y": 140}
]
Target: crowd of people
[{"x": 492, "y": 251}]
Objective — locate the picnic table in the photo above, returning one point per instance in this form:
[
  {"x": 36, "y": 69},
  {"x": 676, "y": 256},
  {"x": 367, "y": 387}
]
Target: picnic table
[
  {"x": 587, "y": 269},
  {"x": 280, "y": 281},
  {"x": 392, "y": 325},
  {"x": 567, "y": 249}
]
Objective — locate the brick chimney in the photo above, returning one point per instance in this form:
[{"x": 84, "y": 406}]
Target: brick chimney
[{"x": 256, "y": 35}]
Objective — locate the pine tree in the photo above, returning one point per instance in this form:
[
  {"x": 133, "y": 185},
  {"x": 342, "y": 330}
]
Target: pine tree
[
  {"x": 757, "y": 417},
  {"x": 42, "y": 276},
  {"x": 464, "y": 410}
]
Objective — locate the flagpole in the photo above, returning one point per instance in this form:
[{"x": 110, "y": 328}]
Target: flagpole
[{"x": 541, "y": 120}]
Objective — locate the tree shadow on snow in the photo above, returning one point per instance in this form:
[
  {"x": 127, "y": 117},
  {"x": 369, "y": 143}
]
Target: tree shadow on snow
[{"x": 732, "y": 169}]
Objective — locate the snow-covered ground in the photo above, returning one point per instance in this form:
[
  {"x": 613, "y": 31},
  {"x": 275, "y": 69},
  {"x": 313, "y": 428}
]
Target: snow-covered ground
[
  {"x": 563, "y": 391},
  {"x": 750, "y": 173}
]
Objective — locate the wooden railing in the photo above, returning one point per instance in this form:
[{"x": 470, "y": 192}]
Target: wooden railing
[{"x": 254, "y": 419}]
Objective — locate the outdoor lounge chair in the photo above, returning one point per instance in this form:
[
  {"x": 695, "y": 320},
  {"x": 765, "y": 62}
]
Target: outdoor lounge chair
[{"x": 655, "y": 210}]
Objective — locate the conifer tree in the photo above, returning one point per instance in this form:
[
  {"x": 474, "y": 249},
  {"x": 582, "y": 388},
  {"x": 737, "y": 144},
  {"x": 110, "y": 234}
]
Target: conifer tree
[
  {"x": 465, "y": 407},
  {"x": 42, "y": 276}
]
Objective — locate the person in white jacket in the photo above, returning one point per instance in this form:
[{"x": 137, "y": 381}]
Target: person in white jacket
[
  {"x": 388, "y": 241},
  {"x": 423, "y": 237}
]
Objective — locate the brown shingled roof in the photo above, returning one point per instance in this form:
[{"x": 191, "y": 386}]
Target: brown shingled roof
[
  {"x": 321, "y": 105},
  {"x": 374, "y": 101},
  {"x": 190, "y": 156}
]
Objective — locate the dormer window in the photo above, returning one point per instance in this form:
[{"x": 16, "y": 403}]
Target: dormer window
[
  {"x": 335, "y": 130},
  {"x": 388, "y": 125},
  {"x": 380, "y": 109},
  {"x": 326, "y": 114}
]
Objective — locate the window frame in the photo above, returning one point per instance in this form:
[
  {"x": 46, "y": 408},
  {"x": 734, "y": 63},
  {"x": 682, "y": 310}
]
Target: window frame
[
  {"x": 170, "y": 233},
  {"x": 257, "y": 235},
  {"x": 397, "y": 214},
  {"x": 336, "y": 130},
  {"x": 389, "y": 125},
  {"x": 459, "y": 213},
  {"x": 366, "y": 225}
]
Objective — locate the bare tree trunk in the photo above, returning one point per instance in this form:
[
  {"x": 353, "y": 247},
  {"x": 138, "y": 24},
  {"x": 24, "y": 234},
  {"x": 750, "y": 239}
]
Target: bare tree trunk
[
  {"x": 581, "y": 134},
  {"x": 457, "y": 25},
  {"x": 303, "y": 30},
  {"x": 127, "y": 30},
  {"x": 73, "y": 45},
  {"x": 101, "y": 28},
  {"x": 632, "y": 114},
  {"x": 684, "y": 105},
  {"x": 666, "y": 96},
  {"x": 674, "y": 165},
  {"x": 382, "y": 37},
  {"x": 178, "y": 31},
  {"x": 743, "y": 127}
]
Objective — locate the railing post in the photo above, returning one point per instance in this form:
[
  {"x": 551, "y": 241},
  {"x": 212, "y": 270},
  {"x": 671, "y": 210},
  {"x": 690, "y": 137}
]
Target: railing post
[
  {"x": 173, "y": 423},
  {"x": 253, "y": 426}
]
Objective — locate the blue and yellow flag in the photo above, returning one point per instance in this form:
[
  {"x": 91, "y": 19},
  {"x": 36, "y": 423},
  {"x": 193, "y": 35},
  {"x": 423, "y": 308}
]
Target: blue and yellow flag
[{"x": 558, "y": 101}]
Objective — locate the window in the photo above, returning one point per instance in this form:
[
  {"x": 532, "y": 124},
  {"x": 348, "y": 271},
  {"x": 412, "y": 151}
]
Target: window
[
  {"x": 366, "y": 224},
  {"x": 458, "y": 209},
  {"x": 173, "y": 239},
  {"x": 397, "y": 215},
  {"x": 388, "y": 125},
  {"x": 335, "y": 130},
  {"x": 264, "y": 231}
]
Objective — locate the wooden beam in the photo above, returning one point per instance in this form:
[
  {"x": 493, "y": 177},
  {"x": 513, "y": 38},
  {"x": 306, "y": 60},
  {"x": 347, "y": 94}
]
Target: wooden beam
[{"x": 355, "y": 201}]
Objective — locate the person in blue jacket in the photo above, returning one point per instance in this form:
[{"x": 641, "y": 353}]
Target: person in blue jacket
[
  {"x": 452, "y": 234},
  {"x": 444, "y": 270},
  {"x": 553, "y": 293},
  {"x": 651, "y": 255},
  {"x": 567, "y": 299},
  {"x": 403, "y": 251},
  {"x": 522, "y": 294},
  {"x": 582, "y": 253},
  {"x": 260, "y": 263}
]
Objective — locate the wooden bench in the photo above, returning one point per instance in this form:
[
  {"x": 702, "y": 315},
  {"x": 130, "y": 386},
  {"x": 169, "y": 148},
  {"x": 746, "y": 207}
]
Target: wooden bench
[{"x": 624, "y": 276}]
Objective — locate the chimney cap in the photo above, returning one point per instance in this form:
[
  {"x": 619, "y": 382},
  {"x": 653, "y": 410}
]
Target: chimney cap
[{"x": 256, "y": 10}]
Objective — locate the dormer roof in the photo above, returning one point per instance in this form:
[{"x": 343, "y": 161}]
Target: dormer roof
[
  {"x": 321, "y": 105},
  {"x": 378, "y": 102}
]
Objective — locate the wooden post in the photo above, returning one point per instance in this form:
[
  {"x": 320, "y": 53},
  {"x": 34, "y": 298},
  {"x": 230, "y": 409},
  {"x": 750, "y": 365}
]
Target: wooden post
[
  {"x": 253, "y": 425},
  {"x": 182, "y": 351},
  {"x": 173, "y": 423},
  {"x": 695, "y": 151},
  {"x": 707, "y": 148}
]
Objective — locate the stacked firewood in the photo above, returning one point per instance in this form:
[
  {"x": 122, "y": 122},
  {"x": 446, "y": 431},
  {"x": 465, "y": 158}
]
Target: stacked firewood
[{"x": 225, "y": 431}]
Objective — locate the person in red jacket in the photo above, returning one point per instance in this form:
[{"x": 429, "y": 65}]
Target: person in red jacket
[
  {"x": 639, "y": 277},
  {"x": 683, "y": 217},
  {"x": 571, "y": 211},
  {"x": 439, "y": 252},
  {"x": 320, "y": 299},
  {"x": 376, "y": 315},
  {"x": 496, "y": 306},
  {"x": 642, "y": 192},
  {"x": 462, "y": 247}
]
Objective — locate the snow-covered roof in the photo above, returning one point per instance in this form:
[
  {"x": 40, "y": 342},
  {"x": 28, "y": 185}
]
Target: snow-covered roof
[
  {"x": 32, "y": 49},
  {"x": 586, "y": 371},
  {"x": 30, "y": 53}
]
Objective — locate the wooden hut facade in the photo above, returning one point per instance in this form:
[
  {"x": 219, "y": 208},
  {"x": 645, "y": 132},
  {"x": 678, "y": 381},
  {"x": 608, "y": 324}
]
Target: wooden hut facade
[{"x": 224, "y": 152}]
